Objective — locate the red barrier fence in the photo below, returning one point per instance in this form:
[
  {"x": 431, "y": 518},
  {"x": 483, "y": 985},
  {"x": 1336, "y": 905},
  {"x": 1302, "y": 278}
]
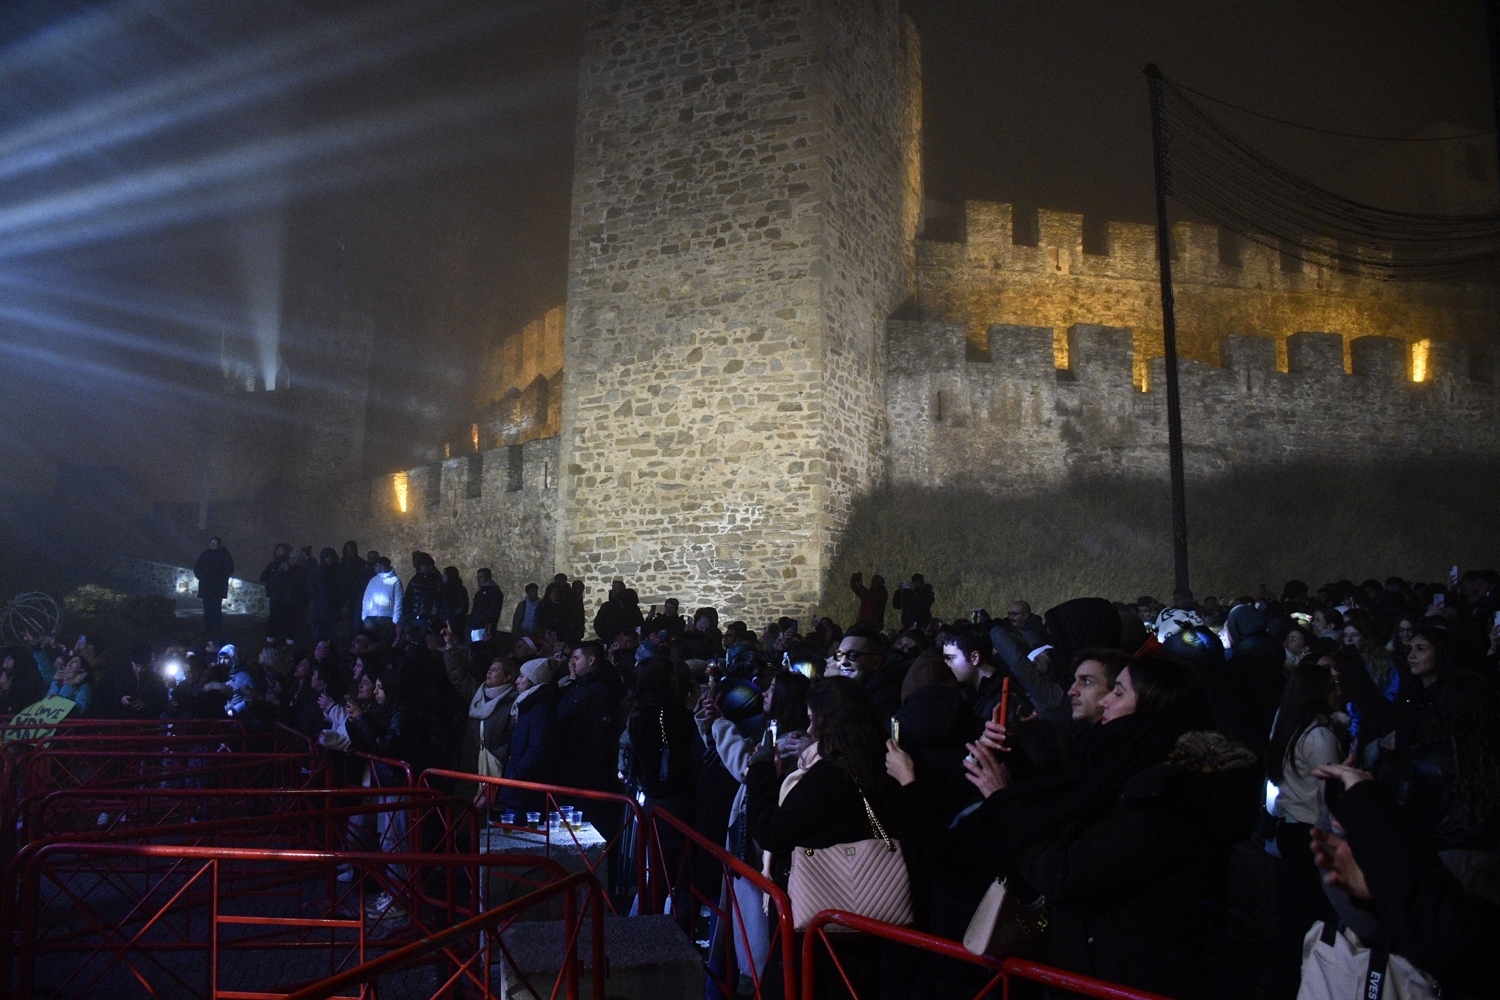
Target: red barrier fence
[
  {"x": 1003, "y": 969},
  {"x": 738, "y": 927},
  {"x": 194, "y": 914},
  {"x": 489, "y": 926},
  {"x": 555, "y": 795}
]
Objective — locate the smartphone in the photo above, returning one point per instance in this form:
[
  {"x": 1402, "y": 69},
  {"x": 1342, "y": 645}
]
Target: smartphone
[
  {"x": 1002, "y": 710},
  {"x": 896, "y": 730},
  {"x": 1453, "y": 577},
  {"x": 1497, "y": 618},
  {"x": 974, "y": 616},
  {"x": 1438, "y": 599}
]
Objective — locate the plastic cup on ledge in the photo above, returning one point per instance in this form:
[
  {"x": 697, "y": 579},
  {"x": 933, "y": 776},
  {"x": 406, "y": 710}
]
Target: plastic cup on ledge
[
  {"x": 554, "y": 822},
  {"x": 533, "y": 819},
  {"x": 507, "y": 818}
]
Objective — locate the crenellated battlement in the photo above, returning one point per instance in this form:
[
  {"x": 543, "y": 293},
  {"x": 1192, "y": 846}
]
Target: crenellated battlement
[
  {"x": 1012, "y": 420},
  {"x": 1053, "y": 277}
]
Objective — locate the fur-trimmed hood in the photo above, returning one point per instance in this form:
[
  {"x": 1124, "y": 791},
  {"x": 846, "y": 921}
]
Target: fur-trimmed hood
[{"x": 1218, "y": 778}]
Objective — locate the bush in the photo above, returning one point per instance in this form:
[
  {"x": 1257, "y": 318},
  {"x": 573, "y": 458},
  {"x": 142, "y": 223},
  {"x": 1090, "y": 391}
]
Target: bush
[{"x": 111, "y": 618}]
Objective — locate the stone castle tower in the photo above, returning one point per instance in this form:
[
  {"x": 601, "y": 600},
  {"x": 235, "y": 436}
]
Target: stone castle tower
[{"x": 745, "y": 196}]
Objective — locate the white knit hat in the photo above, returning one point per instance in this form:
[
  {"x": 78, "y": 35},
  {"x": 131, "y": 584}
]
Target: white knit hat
[{"x": 537, "y": 671}]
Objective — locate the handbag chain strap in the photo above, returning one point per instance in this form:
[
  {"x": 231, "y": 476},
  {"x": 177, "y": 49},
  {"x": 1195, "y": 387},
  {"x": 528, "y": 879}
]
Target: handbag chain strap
[{"x": 875, "y": 824}]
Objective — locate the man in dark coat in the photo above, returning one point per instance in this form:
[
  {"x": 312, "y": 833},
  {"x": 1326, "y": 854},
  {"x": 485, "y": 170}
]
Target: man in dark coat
[
  {"x": 278, "y": 580},
  {"x": 914, "y": 601},
  {"x": 617, "y": 614},
  {"x": 489, "y": 602},
  {"x": 354, "y": 572},
  {"x": 213, "y": 569},
  {"x": 419, "y": 608},
  {"x": 589, "y": 722},
  {"x": 325, "y": 594},
  {"x": 132, "y": 690}
]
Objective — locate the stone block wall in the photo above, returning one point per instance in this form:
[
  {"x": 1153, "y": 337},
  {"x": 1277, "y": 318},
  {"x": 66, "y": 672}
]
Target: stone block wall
[
  {"x": 1224, "y": 286},
  {"x": 744, "y": 195},
  {"x": 1015, "y": 422},
  {"x": 496, "y": 508}
]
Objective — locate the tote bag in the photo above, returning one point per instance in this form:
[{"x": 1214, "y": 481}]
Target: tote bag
[
  {"x": 867, "y": 877},
  {"x": 1336, "y": 966}
]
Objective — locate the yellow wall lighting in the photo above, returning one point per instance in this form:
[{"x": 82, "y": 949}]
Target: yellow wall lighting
[
  {"x": 1419, "y": 353},
  {"x": 474, "y": 435},
  {"x": 402, "y": 484}
]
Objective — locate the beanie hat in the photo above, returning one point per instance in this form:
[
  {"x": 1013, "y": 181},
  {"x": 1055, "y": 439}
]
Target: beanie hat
[{"x": 537, "y": 671}]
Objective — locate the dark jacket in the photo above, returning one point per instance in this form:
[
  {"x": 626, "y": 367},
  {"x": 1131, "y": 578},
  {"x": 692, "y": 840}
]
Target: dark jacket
[
  {"x": 278, "y": 581},
  {"x": 325, "y": 590},
  {"x": 615, "y": 617},
  {"x": 533, "y": 746},
  {"x": 354, "y": 574},
  {"x": 935, "y": 724},
  {"x": 419, "y": 603},
  {"x": 121, "y": 681},
  {"x": 489, "y": 603},
  {"x": 1432, "y": 921},
  {"x": 453, "y": 604},
  {"x": 213, "y": 570},
  {"x": 884, "y": 685},
  {"x": 518, "y": 619},
  {"x": 384, "y": 734},
  {"x": 914, "y": 603},
  {"x": 1131, "y": 893},
  {"x": 825, "y": 808},
  {"x": 676, "y": 776},
  {"x": 589, "y": 722}
]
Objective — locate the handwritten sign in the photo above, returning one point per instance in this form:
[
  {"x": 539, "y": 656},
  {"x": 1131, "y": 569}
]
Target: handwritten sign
[{"x": 44, "y": 715}]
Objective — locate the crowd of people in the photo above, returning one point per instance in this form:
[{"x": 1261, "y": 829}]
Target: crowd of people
[{"x": 1105, "y": 761}]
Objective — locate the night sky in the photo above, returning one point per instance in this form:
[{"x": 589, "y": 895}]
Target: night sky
[{"x": 416, "y": 157}]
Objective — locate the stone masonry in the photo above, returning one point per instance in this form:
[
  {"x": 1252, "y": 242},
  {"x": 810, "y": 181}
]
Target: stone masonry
[{"x": 745, "y": 193}]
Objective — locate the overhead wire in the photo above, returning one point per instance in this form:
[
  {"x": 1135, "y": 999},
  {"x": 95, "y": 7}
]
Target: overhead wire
[{"x": 1217, "y": 175}]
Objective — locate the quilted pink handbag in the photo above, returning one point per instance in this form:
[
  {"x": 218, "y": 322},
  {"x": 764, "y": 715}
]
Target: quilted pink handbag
[{"x": 867, "y": 877}]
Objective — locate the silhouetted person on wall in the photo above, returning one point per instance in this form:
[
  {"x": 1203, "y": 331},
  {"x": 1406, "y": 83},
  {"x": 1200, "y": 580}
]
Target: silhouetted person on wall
[
  {"x": 872, "y": 599},
  {"x": 489, "y": 604},
  {"x": 325, "y": 594},
  {"x": 354, "y": 573},
  {"x": 617, "y": 614},
  {"x": 452, "y": 600},
  {"x": 420, "y": 605},
  {"x": 914, "y": 601},
  {"x": 278, "y": 581},
  {"x": 213, "y": 569},
  {"x": 523, "y": 622}
]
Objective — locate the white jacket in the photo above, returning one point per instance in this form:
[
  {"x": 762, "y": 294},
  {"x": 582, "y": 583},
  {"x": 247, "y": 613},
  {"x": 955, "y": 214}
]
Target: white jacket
[{"x": 383, "y": 597}]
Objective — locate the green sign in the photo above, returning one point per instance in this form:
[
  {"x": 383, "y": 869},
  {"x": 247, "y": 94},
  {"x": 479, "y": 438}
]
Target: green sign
[{"x": 46, "y": 713}]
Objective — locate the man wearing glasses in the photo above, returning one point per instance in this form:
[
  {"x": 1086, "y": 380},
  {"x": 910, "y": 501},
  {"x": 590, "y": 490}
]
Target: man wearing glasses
[{"x": 862, "y": 657}]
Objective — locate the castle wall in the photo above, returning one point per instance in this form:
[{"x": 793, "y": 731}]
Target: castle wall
[
  {"x": 744, "y": 191},
  {"x": 988, "y": 280},
  {"x": 497, "y": 508},
  {"x": 1015, "y": 422},
  {"x": 519, "y": 395}
]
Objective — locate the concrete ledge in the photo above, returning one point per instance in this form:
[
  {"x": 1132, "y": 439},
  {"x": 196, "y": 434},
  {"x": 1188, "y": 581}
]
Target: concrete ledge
[{"x": 647, "y": 957}]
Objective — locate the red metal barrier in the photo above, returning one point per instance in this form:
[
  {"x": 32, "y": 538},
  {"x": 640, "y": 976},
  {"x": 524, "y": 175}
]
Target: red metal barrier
[
  {"x": 201, "y": 911},
  {"x": 401, "y": 767},
  {"x": 552, "y": 792},
  {"x": 724, "y": 903},
  {"x": 489, "y": 926},
  {"x": 1003, "y": 969}
]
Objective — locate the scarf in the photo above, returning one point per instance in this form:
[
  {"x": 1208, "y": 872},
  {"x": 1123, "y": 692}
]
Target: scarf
[
  {"x": 483, "y": 705},
  {"x": 515, "y": 706}
]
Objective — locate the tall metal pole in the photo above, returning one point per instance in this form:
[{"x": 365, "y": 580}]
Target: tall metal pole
[
  {"x": 1169, "y": 338},
  {"x": 1492, "y": 17}
]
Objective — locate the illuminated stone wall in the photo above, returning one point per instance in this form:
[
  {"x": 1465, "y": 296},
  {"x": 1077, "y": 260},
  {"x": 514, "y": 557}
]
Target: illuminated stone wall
[
  {"x": 519, "y": 397},
  {"x": 988, "y": 280},
  {"x": 1015, "y": 422},
  {"x": 496, "y": 508},
  {"x": 745, "y": 193}
]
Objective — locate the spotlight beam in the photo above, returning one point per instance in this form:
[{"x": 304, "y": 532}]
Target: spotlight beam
[{"x": 267, "y": 71}]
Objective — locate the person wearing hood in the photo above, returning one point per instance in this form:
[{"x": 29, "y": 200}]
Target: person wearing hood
[
  {"x": 531, "y": 755},
  {"x": 133, "y": 690},
  {"x": 381, "y": 610},
  {"x": 325, "y": 594},
  {"x": 213, "y": 569},
  {"x": 1131, "y": 853},
  {"x": 618, "y": 613},
  {"x": 452, "y": 601},
  {"x": 1257, "y": 674}
]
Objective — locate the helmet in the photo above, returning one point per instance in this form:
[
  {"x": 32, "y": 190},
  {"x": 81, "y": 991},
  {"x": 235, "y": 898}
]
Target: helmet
[
  {"x": 1196, "y": 644},
  {"x": 1173, "y": 620}
]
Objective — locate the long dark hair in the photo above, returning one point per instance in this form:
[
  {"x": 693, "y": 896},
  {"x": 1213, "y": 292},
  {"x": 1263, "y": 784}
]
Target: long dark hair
[
  {"x": 1167, "y": 685},
  {"x": 1304, "y": 704},
  {"x": 849, "y": 732},
  {"x": 1468, "y": 711},
  {"x": 789, "y": 701}
]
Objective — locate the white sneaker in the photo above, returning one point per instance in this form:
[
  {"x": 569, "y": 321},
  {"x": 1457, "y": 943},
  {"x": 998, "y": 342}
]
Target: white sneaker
[
  {"x": 346, "y": 873},
  {"x": 384, "y": 906}
]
